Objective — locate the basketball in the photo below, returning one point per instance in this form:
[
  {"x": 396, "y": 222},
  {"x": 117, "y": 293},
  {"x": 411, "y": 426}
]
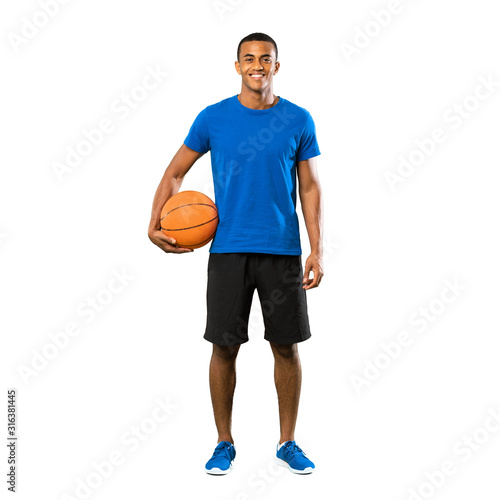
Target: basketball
[{"x": 191, "y": 218}]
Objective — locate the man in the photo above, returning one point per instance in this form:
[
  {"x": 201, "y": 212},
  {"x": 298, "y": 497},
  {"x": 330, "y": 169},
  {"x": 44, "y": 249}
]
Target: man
[{"x": 260, "y": 143}]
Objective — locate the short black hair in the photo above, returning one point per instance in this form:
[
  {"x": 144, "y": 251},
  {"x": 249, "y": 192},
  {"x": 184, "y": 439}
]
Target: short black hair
[{"x": 257, "y": 37}]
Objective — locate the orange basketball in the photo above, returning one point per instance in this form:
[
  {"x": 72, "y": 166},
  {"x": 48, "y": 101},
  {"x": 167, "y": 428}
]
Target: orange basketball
[{"x": 190, "y": 218}]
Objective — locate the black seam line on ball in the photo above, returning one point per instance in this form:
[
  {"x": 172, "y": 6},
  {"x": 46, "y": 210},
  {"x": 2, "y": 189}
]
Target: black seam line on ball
[
  {"x": 191, "y": 227},
  {"x": 211, "y": 236},
  {"x": 188, "y": 205}
]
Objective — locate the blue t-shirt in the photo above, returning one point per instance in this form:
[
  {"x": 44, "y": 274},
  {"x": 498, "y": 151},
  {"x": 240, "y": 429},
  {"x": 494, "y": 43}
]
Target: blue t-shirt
[{"x": 254, "y": 156}]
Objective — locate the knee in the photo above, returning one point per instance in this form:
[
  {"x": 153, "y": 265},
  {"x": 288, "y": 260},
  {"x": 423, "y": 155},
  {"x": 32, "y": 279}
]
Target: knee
[
  {"x": 285, "y": 351},
  {"x": 225, "y": 353}
]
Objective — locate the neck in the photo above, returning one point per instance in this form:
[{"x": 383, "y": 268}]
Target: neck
[{"x": 257, "y": 100}]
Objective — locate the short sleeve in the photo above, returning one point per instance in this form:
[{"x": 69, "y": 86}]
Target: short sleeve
[
  {"x": 198, "y": 137},
  {"x": 308, "y": 145}
]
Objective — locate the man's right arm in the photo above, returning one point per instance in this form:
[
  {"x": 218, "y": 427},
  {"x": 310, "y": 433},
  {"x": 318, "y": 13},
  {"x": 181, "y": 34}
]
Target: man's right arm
[{"x": 170, "y": 184}]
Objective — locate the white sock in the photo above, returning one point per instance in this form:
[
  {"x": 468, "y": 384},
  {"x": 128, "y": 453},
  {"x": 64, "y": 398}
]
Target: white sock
[{"x": 280, "y": 445}]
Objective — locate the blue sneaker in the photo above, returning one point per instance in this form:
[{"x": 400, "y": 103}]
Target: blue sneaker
[
  {"x": 222, "y": 459},
  {"x": 291, "y": 456}
]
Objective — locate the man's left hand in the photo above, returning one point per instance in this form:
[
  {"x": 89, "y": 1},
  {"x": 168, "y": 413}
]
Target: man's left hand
[{"x": 314, "y": 263}]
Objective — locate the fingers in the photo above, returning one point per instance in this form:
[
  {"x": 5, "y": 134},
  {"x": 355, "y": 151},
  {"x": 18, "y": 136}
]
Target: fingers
[
  {"x": 168, "y": 245},
  {"x": 312, "y": 283},
  {"x": 309, "y": 283},
  {"x": 180, "y": 250}
]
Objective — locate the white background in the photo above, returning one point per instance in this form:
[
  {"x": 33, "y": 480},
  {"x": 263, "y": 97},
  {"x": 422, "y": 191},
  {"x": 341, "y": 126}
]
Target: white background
[{"x": 387, "y": 252}]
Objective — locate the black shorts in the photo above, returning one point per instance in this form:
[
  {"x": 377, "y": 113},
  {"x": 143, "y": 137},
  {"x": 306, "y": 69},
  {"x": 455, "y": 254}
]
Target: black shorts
[{"x": 232, "y": 280}]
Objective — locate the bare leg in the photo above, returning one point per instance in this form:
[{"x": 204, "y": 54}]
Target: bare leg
[
  {"x": 222, "y": 378},
  {"x": 288, "y": 379}
]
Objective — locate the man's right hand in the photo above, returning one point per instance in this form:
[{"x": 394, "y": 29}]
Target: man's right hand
[
  {"x": 167, "y": 244},
  {"x": 169, "y": 186}
]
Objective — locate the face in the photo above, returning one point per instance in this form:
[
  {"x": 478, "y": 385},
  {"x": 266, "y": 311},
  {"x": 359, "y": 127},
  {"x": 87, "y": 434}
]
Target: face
[{"x": 257, "y": 65}]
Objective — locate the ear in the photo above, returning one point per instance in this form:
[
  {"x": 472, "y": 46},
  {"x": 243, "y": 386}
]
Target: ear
[
  {"x": 276, "y": 67},
  {"x": 237, "y": 66}
]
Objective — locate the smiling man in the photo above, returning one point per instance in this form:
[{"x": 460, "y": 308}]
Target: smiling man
[{"x": 260, "y": 144}]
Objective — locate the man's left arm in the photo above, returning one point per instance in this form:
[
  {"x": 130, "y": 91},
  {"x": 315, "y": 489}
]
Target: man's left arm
[{"x": 312, "y": 208}]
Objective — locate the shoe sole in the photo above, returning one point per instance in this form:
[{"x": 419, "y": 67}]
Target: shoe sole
[
  {"x": 307, "y": 470},
  {"x": 219, "y": 472}
]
